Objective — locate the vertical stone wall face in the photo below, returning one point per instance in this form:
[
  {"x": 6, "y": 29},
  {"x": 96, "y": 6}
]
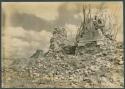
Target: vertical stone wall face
[{"x": 57, "y": 43}]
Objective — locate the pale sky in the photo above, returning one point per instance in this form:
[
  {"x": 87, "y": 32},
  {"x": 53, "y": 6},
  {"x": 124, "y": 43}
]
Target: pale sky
[{"x": 27, "y": 26}]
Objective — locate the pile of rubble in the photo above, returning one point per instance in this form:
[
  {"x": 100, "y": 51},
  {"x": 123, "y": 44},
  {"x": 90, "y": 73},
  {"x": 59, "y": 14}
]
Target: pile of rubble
[
  {"x": 93, "y": 67},
  {"x": 57, "y": 43}
]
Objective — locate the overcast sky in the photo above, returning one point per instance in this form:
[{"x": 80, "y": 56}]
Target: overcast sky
[{"x": 27, "y": 26}]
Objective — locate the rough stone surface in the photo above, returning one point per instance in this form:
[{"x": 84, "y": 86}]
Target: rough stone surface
[
  {"x": 93, "y": 67},
  {"x": 96, "y": 64}
]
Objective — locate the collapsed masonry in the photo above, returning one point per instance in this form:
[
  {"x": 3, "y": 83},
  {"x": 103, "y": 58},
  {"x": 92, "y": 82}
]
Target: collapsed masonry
[
  {"x": 57, "y": 43},
  {"x": 96, "y": 63},
  {"x": 92, "y": 35},
  {"x": 90, "y": 38}
]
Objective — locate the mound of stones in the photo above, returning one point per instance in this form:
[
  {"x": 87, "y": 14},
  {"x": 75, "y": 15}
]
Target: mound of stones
[{"x": 91, "y": 66}]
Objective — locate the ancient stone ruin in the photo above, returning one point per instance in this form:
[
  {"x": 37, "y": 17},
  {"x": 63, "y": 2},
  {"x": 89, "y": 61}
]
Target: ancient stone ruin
[
  {"x": 57, "y": 43},
  {"x": 94, "y": 60}
]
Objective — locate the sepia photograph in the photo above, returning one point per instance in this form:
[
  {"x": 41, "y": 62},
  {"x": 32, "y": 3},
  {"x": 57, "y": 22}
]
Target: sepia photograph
[{"x": 62, "y": 44}]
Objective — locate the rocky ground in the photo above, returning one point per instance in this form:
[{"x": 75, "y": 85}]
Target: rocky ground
[
  {"x": 89, "y": 66},
  {"x": 102, "y": 69}
]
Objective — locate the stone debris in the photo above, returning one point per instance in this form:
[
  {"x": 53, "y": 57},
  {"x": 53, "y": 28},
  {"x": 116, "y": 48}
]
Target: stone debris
[
  {"x": 99, "y": 68},
  {"x": 91, "y": 64},
  {"x": 57, "y": 43}
]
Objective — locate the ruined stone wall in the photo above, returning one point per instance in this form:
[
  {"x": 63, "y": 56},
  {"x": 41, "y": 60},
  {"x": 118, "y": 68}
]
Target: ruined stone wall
[{"x": 57, "y": 43}]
